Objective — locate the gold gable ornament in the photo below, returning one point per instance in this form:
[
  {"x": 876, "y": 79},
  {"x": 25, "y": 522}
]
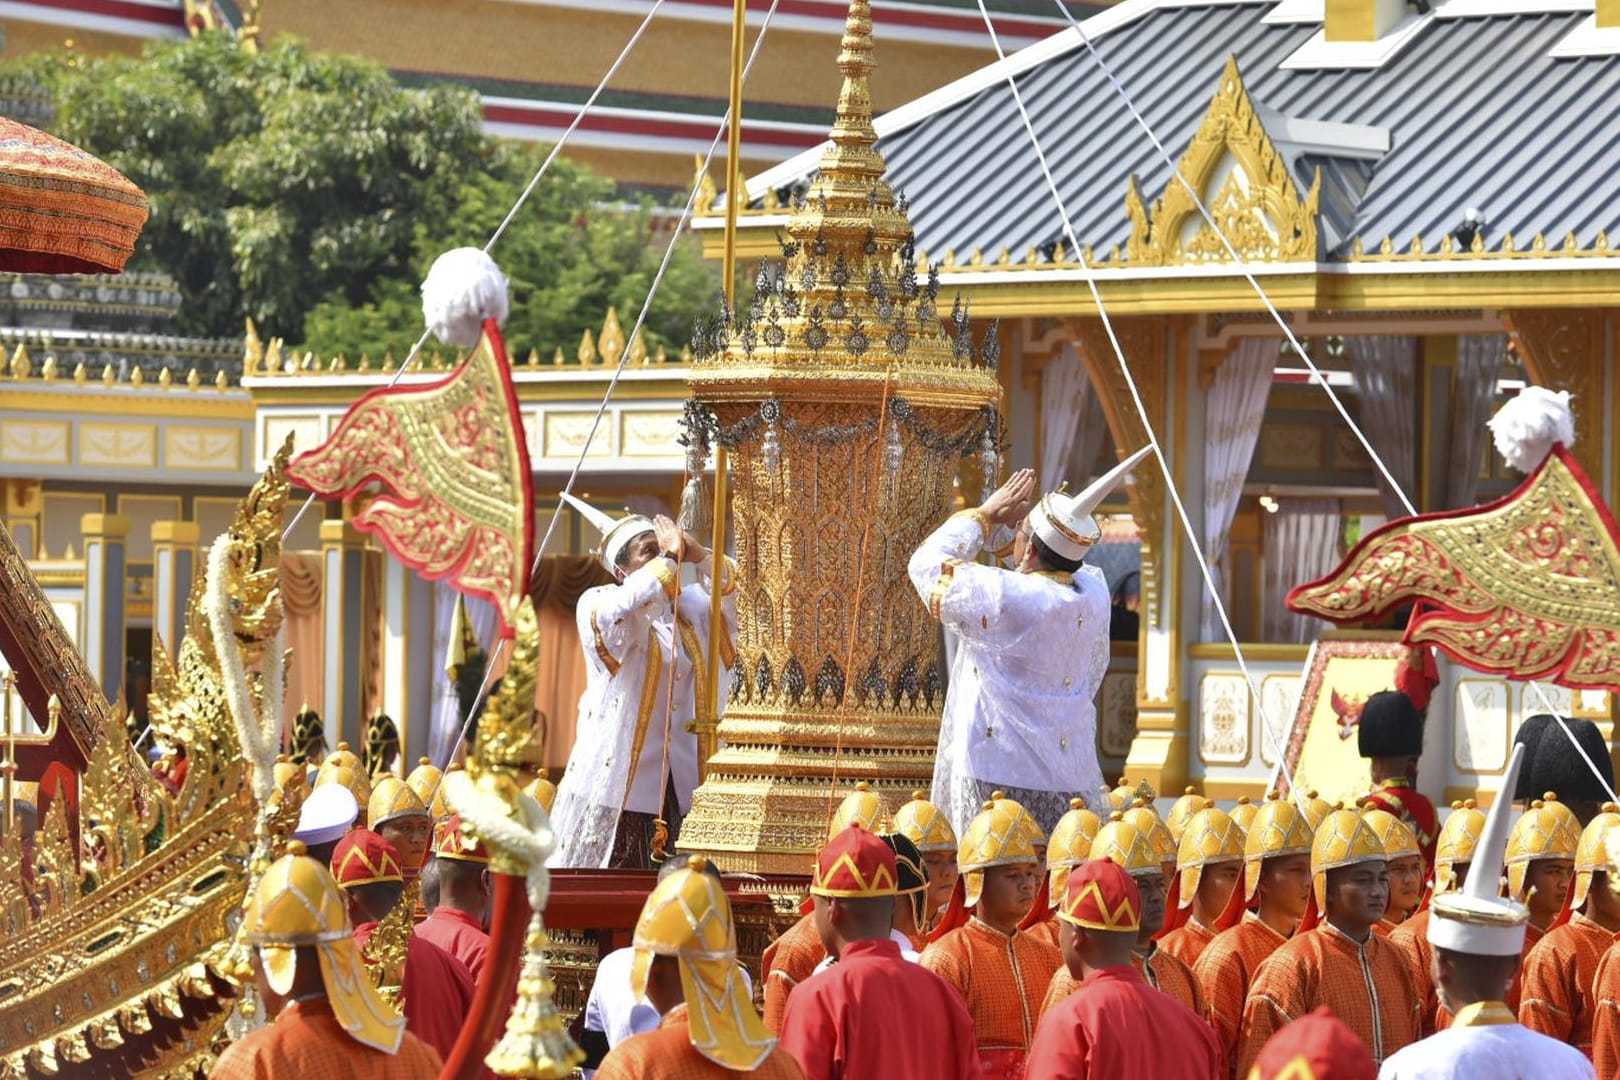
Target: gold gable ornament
[{"x": 1244, "y": 182}]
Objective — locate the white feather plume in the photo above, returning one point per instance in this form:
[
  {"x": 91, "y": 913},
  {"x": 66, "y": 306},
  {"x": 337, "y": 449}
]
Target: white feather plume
[
  {"x": 463, "y": 288},
  {"x": 1527, "y": 427}
]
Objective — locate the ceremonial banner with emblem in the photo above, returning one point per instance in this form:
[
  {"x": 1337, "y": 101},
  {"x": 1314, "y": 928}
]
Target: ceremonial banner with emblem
[
  {"x": 450, "y": 455},
  {"x": 1527, "y": 587}
]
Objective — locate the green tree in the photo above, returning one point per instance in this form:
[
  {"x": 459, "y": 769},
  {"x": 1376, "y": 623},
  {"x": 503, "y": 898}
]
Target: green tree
[
  {"x": 312, "y": 192},
  {"x": 573, "y": 251},
  {"x": 275, "y": 178}
]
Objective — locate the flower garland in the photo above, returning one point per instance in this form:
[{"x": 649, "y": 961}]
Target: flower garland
[{"x": 258, "y": 727}]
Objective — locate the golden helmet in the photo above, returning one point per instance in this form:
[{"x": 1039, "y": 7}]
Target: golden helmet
[
  {"x": 1277, "y": 828},
  {"x": 542, "y": 790},
  {"x": 688, "y": 917},
  {"x": 391, "y": 800},
  {"x": 288, "y": 772},
  {"x": 1458, "y": 837},
  {"x": 862, "y": 806},
  {"x": 1396, "y": 835},
  {"x": 297, "y": 904},
  {"x": 1182, "y": 811},
  {"x": 1343, "y": 839},
  {"x": 425, "y": 780},
  {"x": 1211, "y": 836},
  {"x": 1127, "y": 845},
  {"x": 1141, "y": 815},
  {"x": 350, "y": 776},
  {"x": 1070, "y": 844},
  {"x": 999, "y": 836},
  {"x": 1548, "y": 830},
  {"x": 1243, "y": 813},
  {"x": 1316, "y": 809},
  {"x": 344, "y": 757},
  {"x": 925, "y": 824},
  {"x": 1592, "y": 854}
]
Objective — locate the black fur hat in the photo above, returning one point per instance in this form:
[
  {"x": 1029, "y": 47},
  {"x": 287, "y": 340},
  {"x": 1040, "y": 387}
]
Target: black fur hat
[
  {"x": 1529, "y": 733},
  {"x": 1558, "y": 766},
  {"x": 1390, "y": 726}
]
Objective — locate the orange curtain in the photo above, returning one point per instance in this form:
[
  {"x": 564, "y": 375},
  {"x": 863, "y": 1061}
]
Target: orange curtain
[
  {"x": 301, "y": 585},
  {"x": 557, "y": 589}
]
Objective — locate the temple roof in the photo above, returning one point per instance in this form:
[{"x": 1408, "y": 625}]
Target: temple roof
[{"x": 1458, "y": 111}]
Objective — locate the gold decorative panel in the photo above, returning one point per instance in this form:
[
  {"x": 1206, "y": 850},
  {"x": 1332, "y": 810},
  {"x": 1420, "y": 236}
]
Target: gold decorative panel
[
  {"x": 118, "y": 446},
  {"x": 1223, "y": 718},
  {"x": 1244, "y": 183},
  {"x": 1481, "y": 726},
  {"x": 1291, "y": 446},
  {"x": 204, "y": 449},
  {"x": 307, "y": 432},
  {"x": 35, "y": 442},
  {"x": 650, "y": 434},
  {"x": 563, "y": 435}
]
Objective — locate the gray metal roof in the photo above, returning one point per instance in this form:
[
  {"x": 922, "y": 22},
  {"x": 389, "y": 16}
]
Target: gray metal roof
[{"x": 1479, "y": 115}]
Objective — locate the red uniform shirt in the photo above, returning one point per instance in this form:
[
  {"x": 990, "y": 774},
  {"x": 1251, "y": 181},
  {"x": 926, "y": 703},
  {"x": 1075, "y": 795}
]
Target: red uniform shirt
[
  {"x": 1116, "y": 1025},
  {"x": 438, "y": 991},
  {"x": 460, "y": 935},
  {"x": 840, "y": 1024}
]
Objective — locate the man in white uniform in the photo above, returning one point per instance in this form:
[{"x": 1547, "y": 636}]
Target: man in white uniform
[
  {"x": 634, "y": 760},
  {"x": 1032, "y": 649},
  {"x": 1478, "y": 937}
]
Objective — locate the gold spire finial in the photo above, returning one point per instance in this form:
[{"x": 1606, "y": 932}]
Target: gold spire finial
[{"x": 853, "y": 127}]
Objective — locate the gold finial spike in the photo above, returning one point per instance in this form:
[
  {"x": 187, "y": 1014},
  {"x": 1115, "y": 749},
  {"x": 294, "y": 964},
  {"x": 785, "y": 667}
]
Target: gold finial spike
[
  {"x": 557, "y": 358},
  {"x": 20, "y": 364},
  {"x": 252, "y": 349},
  {"x": 708, "y": 193},
  {"x": 638, "y": 350},
  {"x": 193, "y": 379},
  {"x": 47, "y": 370},
  {"x": 137, "y": 377},
  {"x": 534, "y": 358},
  {"x": 587, "y": 349},
  {"x": 853, "y": 135},
  {"x": 109, "y": 374},
  {"x": 365, "y": 362},
  {"x": 611, "y": 344},
  {"x": 165, "y": 378},
  {"x": 81, "y": 374},
  {"x": 389, "y": 363},
  {"x": 222, "y": 381}
]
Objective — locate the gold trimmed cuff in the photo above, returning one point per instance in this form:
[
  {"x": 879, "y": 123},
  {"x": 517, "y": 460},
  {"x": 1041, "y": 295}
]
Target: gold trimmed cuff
[
  {"x": 609, "y": 661},
  {"x": 669, "y": 578},
  {"x": 728, "y": 575},
  {"x": 942, "y": 585},
  {"x": 977, "y": 515}
]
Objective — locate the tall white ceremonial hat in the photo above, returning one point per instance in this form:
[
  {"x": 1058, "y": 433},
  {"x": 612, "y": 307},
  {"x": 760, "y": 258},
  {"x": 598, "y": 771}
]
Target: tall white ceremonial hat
[
  {"x": 326, "y": 814},
  {"x": 1476, "y": 918},
  {"x": 615, "y": 534},
  {"x": 1064, "y": 522}
]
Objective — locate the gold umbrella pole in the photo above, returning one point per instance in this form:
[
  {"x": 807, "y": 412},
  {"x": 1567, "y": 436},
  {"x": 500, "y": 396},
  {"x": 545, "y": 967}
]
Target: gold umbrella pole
[{"x": 708, "y": 717}]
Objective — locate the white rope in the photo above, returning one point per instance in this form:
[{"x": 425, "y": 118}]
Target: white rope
[
  {"x": 1244, "y": 268},
  {"x": 573, "y": 476},
  {"x": 1141, "y": 409},
  {"x": 512, "y": 214}
]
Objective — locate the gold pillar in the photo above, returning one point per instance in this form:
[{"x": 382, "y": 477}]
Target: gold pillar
[
  {"x": 106, "y": 595},
  {"x": 174, "y": 564},
  {"x": 343, "y": 576},
  {"x": 845, "y": 411},
  {"x": 22, "y": 505}
]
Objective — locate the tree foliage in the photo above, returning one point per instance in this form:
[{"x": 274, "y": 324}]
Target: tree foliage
[{"x": 311, "y": 191}]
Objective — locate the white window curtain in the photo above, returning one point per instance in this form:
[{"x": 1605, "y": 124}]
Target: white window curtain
[
  {"x": 1089, "y": 439},
  {"x": 1302, "y": 541},
  {"x": 1065, "y": 392},
  {"x": 1385, "y": 372},
  {"x": 445, "y": 730},
  {"x": 1233, "y": 411},
  {"x": 1479, "y": 363}
]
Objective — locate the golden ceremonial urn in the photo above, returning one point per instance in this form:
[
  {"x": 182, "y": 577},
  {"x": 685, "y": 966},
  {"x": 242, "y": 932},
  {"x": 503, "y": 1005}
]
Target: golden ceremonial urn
[{"x": 846, "y": 409}]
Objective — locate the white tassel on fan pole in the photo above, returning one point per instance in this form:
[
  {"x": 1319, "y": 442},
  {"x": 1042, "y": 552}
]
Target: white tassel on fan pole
[
  {"x": 1527, "y": 427},
  {"x": 463, "y": 288}
]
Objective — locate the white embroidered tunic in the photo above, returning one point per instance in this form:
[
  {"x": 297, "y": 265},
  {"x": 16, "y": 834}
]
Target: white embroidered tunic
[
  {"x": 633, "y": 633},
  {"x": 1032, "y": 651},
  {"x": 1485, "y": 1043}
]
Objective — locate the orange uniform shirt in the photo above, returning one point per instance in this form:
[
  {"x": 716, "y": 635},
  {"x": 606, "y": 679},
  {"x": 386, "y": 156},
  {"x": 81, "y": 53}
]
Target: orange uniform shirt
[
  {"x": 788, "y": 961},
  {"x": 307, "y": 1042},
  {"x": 1159, "y": 970},
  {"x": 1556, "y": 982},
  {"x": 1368, "y": 985},
  {"x": 1001, "y": 978},
  {"x": 667, "y": 1053},
  {"x": 1412, "y": 938},
  {"x": 1046, "y": 930},
  {"x": 1187, "y": 942},
  {"x": 1606, "y": 1014},
  {"x": 1224, "y": 973}
]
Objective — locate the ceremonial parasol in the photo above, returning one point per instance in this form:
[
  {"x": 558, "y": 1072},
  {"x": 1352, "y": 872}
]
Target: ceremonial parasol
[{"x": 63, "y": 210}]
